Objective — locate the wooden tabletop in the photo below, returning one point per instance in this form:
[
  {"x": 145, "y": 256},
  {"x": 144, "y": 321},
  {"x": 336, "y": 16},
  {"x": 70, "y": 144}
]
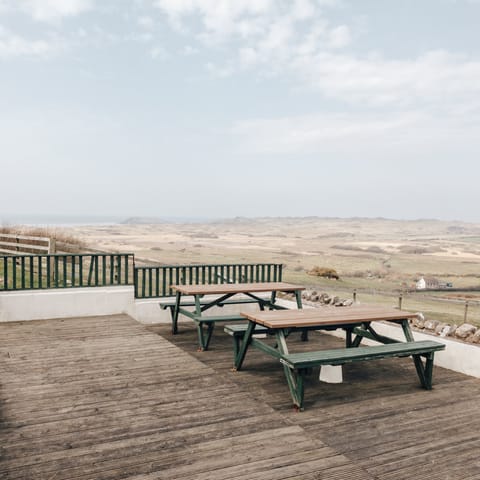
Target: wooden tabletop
[
  {"x": 225, "y": 288},
  {"x": 326, "y": 316}
]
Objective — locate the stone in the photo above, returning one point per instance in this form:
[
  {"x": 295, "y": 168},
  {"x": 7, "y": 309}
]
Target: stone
[
  {"x": 465, "y": 330},
  {"x": 476, "y": 336},
  {"x": 419, "y": 323},
  {"x": 327, "y": 299},
  {"x": 448, "y": 330},
  {"x": 431, "y": 324},
  {"x": 314, "y": 297},
  {"x": 439, "y": 328},
  {"x": 348, "y": 302}
]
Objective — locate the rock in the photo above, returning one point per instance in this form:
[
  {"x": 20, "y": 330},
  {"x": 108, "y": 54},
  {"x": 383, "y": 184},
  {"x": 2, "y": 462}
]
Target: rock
[
  {"x": 348, "y": 303},
  {"x": 476, "y": 336},
  {"x": 335, "y": 300},
  {"x": 420, "y": 316},
  {"x": 314, "y": 297},
  {"x": 439, "y": 328},
  {"x": 431, "y": 324},
  {"x": 327, "y": 299},
  {"x": 448, "y": 330},
  {"x": 418, "y": 323},
  {"x": 465, "y": 330}
]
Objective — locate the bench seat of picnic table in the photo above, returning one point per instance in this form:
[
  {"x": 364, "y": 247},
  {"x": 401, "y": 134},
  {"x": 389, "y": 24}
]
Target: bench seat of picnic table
[{"x": 301, "y": 363}]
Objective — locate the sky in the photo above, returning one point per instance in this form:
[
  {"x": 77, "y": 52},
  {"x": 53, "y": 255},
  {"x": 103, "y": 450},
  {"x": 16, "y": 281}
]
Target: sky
[{"x": 224, "y": 108}]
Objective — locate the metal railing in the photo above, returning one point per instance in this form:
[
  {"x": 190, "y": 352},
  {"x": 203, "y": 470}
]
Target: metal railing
[
  {"x": 152, "y": 282},
  {"x": 23, "y": 272}
]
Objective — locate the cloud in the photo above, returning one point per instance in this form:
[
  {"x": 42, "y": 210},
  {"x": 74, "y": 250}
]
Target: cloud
[
  {"x": 159, "y": 53},
  {"x": 296, "y": 39},
  {"x": 13, "y": 45},
  {"x": 357, "y": 134},
  {"x": 432, "y": 79},
  {"x": 53, "y": 10},
  {"x": 146, "y": 22},
  {"x": 339, "y": 37}
]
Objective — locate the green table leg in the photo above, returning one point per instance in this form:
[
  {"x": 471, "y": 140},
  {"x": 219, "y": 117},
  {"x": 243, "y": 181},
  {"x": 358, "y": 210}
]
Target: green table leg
[
  {"x": 424, "y": 372},
  {"x": 178, "y": 298},
  {"x": 294, "y": 379},
  {"x": 247, "y": 338}
]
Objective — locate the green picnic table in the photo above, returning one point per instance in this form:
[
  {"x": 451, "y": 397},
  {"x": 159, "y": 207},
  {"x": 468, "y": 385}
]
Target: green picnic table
[
  {"x": 208, "y": 296},
  {"x": 356, "y": 321}
]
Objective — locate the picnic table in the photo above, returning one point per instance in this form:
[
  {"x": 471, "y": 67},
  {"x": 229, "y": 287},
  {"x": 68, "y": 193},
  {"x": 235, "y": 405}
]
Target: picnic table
[
  {"x": 208, "y": 296},
  {"x": 356, "y": 321}
]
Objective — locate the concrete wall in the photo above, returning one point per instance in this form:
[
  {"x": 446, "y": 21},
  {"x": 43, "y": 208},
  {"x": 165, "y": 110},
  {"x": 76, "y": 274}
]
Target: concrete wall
[
  {"x": 64, "y": 302},
  {"x": 85, "y": 302}
]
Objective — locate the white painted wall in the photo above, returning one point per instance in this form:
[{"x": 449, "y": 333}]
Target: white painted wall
[{"x": 64, "y": 302}]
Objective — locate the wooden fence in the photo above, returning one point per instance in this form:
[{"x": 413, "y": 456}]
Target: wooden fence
[{"x": 26, "y": 244}]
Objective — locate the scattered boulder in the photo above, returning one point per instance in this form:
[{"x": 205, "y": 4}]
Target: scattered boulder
[
  {"x": 448, "y": 330},
  {"x": 419, "y": 321},
  {"x": 465, "y": 330},
  {"x": 326, "y": 299},
  {"x": 431, "y": 324},
  {"x": 476, "y": 336},
  {"x": 439, "y": 328}
]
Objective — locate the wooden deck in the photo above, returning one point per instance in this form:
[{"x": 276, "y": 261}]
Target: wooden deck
[{"x": 106, "y": 398}]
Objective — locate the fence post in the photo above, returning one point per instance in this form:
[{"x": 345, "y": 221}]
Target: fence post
[
  {"x": 400, "y": 298},
  {"x": 52, "y": 245},
  {"x": 466, "y": 311},
  {"x": 355, "y": 295}
]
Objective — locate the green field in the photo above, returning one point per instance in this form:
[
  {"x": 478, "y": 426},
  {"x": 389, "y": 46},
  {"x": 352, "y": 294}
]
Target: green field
[{"x": 379, "y": 258}]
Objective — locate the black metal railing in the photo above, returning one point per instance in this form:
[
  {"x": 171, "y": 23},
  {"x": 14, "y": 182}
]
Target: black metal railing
[
  {"x": 22, "y": 272},
  {"x": 27, "y": 272},
  {"x": 152, "y": 282}
]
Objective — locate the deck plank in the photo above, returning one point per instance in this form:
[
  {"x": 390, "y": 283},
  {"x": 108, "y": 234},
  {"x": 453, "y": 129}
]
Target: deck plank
[
  {"x": 379, "y": 417},
  {"x": 105, "y": 398}
]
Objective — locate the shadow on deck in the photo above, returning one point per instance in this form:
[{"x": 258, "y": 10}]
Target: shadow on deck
[{"x": 107, "y": 398}]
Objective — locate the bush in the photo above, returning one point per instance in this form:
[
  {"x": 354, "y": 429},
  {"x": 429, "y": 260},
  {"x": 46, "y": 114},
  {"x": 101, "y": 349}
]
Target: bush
[{"x": 324, "y": 272}]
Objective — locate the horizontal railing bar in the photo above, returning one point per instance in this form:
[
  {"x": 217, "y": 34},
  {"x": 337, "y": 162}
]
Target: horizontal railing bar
[
  {"x": 24, "y": 237},
  {"x": 25, "y": 245}
]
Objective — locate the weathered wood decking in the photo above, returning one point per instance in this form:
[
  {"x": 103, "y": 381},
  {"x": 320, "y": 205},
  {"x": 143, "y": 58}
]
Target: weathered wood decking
[
  {"x": 379, "y": 417},
  {"x": 106, "y": 398}
]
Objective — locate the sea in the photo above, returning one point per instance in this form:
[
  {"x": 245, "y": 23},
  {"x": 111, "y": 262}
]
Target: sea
[
  {"x": 58, "y": 220},
  {"x": 76, "y": 220}
]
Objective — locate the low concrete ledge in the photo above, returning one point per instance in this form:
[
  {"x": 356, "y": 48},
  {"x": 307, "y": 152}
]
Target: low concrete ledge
[
  {"x": 66, "y": 302},
  {"x": 148, "y": 310}
]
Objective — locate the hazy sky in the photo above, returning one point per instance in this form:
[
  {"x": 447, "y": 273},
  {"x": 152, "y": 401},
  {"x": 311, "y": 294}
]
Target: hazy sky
[{"x": 219, "y": 108}]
